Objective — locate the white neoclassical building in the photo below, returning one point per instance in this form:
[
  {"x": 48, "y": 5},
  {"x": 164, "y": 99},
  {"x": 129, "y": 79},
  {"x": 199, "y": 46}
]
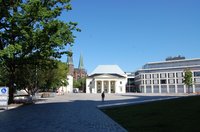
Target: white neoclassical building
[{"x": 107, "y": 78}]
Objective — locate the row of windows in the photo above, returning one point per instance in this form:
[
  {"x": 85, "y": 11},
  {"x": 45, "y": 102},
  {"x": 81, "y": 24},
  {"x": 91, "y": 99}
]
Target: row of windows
[
  {"x": 169, "y": 75},
  {"x": 170, "y": 86},
  {"x": 163, "y": 81},
  {"x": 162, "y": 75},
  {"x": 197, "y": 74},
  {"x": 164, "y": 86},
  {"x": 170, "y": 81}
]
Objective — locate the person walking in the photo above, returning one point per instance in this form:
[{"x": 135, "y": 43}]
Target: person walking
[{"x": 103, "y": 96}]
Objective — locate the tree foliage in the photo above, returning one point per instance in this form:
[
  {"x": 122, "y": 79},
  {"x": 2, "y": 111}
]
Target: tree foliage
[
  {"x": 31, "y": 34},
  {"x": 188, "y": 78},
  {"x": 80, "y": 83},
  {"x": 56, "y": 77}
]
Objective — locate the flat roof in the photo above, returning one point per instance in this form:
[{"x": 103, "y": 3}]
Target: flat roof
[
  {"x": 182, "y": 60},
  {"x": 165, "y": 68}
]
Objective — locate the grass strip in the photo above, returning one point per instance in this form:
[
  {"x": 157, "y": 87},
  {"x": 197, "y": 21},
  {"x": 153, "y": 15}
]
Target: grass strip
[{"x": 175, "y": 115}]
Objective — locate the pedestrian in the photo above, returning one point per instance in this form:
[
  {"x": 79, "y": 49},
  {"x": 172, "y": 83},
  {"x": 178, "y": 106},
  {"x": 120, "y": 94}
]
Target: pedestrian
[{"x": 103, "y": 96}]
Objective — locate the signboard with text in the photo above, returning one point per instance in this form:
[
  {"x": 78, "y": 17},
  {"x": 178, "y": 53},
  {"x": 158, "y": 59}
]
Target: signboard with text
[{"x": 4, "y": 97}]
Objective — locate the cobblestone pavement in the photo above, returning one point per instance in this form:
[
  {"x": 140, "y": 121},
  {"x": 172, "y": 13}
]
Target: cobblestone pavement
[{"x": 68, "y": 113}]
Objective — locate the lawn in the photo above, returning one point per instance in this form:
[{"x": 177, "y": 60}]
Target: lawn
[{"x": 175, "y": 115}]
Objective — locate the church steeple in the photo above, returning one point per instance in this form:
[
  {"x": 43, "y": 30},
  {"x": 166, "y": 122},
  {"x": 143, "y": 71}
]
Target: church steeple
[
  {"x": 70, "y": 63},
  {"x": 81, "y": 66},
  {"x": 70, "y": 58}
]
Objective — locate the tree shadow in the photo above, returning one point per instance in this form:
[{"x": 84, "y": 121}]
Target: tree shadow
[{"x": 73, "y": 115}]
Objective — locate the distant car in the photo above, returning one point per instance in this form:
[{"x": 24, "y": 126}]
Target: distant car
[
  {"x": 75, "y": 90},
  {"x": 23, "y": 99}
]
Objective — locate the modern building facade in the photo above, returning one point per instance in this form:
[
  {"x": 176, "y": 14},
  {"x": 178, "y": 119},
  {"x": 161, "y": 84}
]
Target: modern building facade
[
  {"x": 167, "y": 76},
  {"x": 130, "y": 85},
  {"x": 107, "y": 78}
]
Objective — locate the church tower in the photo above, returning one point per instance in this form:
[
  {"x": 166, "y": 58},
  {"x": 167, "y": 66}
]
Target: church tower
[
  {"x": 70, "y": 64},
  {"x": 80, "y": 72},
  {"x": 81, "y": 66}
]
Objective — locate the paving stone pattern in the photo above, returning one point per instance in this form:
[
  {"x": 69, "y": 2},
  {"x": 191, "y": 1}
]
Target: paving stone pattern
[{"x": 67, "y": 113}]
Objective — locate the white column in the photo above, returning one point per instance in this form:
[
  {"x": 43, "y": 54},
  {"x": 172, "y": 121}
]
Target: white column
[
  {"x": 109, "y": 90},
  {"x": 159, "y": 82},
  {"x": 144, "y": 83},
  {"x": 110, "y": 86},
  {"x": 167, "y": 78},
  {"x": 152, "y": 88},
  {"x": 185, "y": 89},
  {"x": 176, "y": 89},
  {"x": 102, "y": 85},
  {"x": 95, "y": 87},
  {"x": 193, "y": 86}
]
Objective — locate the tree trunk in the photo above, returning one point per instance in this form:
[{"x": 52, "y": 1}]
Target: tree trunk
[
  {"x": 11, "y": 84},
  {"x": 188, "y": 89},
  {"x": 11, "y": 89}
]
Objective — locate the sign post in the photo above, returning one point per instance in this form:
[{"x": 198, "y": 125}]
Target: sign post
[{"x": 4, "y": 97}]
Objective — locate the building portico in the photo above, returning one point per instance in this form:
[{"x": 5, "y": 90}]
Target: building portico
[
  {"x": 107, "y": 82},
  {"x": 108, "y": 86}
]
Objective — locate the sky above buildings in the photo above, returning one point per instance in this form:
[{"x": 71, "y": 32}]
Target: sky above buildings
[{"x": 130, "y": 33}]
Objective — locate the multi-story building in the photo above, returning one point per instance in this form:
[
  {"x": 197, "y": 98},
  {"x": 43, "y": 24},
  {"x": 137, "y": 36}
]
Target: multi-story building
[
  {"x": 167, "y": 76},
  {"x": 130, "y": 85}
]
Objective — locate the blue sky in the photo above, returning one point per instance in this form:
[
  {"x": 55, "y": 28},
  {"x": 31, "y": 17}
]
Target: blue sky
[{"x": 130, "y": 33}]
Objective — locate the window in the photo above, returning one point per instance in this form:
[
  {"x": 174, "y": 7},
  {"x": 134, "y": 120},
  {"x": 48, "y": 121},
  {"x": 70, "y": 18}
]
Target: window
[
  {"x": 148, "y": 76},
  {"x": 148, "y": 81},
  {"x": 179, "y": 81},
  {"x": 197, "y": 74},
  {"x": 148, "y": 89},
  {"x": 170, "y": 75},
  {"x": 120, "y": 82},
  {"x": 155, "y": 75},
  {"x": 155, "y": 82},
  {"x": 162, "y": 75},
  {"x": 171, "y": 81},
  {"x": 163, "y": 81},
  {"x": 197, "y": 80},
  {"x": 156, "y": 88},
  {"x": 171, "y": 86},
  {"x": 179, "y": 74}
]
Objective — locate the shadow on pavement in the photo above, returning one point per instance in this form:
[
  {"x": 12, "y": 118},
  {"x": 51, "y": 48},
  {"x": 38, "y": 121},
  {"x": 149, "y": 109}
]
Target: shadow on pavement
[{"x": 74, "y": 115}]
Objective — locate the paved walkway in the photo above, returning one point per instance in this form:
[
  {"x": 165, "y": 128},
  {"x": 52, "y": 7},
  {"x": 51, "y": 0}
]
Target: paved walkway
[{"x": 69, "y": 113}]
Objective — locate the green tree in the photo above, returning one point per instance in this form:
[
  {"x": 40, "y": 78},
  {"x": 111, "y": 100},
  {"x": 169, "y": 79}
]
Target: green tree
[
  {"x": 76, "y": 84},
  {"x": 3, "y": 74},
  {"x": 188, "y": 79},
  {"x": 30, "y": 33},
  {"x": 33, "y": 78},
  {"x": 56, "y": 77},
  {"x": 80, "y": 83}
]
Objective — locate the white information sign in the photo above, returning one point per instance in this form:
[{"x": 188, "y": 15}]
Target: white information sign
[{"x": 4, "y": 97}]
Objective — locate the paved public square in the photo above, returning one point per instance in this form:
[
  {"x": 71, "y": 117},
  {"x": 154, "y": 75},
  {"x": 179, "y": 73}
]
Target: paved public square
[{"x": 70, "y": 113}]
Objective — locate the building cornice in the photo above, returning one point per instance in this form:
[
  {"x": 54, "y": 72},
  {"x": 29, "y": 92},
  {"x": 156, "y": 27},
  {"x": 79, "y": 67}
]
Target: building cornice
[
  {"x": 166, "y": 68},
  {"x": 171, "y": 61}
]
